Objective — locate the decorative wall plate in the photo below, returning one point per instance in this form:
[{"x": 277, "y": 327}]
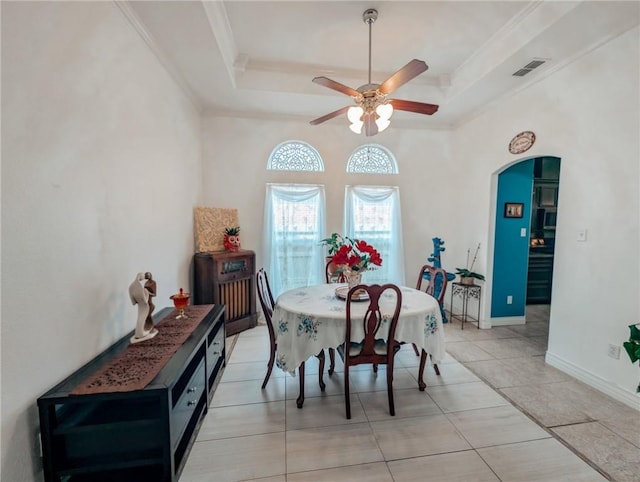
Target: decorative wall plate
[{"x": 522, "y": 142}]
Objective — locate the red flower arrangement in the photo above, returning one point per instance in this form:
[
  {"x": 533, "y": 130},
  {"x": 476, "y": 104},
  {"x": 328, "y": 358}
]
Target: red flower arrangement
[{"x": 356, "y": 255}]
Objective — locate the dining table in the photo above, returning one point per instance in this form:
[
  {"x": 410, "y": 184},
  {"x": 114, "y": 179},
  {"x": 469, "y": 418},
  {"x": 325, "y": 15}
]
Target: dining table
[{"x": 308, "y": 319}]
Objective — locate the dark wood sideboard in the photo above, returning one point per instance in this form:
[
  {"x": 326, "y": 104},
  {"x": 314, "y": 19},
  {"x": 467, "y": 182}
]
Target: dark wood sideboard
[
  {"x": 228, "y": 278},
  {"x": 140, "y": 435}
]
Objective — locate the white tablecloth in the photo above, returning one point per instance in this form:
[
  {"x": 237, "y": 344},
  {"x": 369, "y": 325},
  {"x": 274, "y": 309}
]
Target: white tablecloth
[{"x": 308, "y": 319}]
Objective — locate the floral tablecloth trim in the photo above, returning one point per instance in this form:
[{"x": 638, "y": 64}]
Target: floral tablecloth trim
[
  {"x": 430, "y": 324},
  {"x": 308, "y": 325}
]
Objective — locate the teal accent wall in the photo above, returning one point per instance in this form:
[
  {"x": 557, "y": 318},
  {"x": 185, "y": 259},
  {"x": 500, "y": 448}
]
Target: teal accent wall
[{"x": 511, "y": 252}]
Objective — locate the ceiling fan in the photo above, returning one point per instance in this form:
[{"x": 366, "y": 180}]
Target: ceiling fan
[{"x": 373, "y": 109}]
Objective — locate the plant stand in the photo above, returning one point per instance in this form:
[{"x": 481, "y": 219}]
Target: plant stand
[{"x": 464, "y": 292}]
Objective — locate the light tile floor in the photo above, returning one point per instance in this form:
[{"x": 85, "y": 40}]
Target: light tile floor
[{"x": 492, "y": 415}]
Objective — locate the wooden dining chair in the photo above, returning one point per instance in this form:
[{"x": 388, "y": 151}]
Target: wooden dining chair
[
  {"x": 268, "y": 305},
  {"x": 374, "y": 348},
  {"x": 331, "y": 277},
  {"x": 436, "y": 287}
]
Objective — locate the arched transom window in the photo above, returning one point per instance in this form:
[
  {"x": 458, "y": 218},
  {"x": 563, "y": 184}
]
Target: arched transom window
[
  {"x": 295, "y": 156},
  {"x": 372, "y": 159}
]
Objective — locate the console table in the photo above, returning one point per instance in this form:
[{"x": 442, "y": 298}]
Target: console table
[
  {"x": 142, "y": 434},
  {"x": 464, "y": 291}
]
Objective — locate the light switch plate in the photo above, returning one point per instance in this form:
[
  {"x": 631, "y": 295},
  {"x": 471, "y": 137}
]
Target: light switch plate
[{"x": 523, "y": 232}]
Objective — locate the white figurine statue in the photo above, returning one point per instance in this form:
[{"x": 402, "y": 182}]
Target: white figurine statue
[{"x": 140, "y": 296}]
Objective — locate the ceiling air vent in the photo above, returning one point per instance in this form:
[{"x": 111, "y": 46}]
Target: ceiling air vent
[{"x": 534, "y": 64}]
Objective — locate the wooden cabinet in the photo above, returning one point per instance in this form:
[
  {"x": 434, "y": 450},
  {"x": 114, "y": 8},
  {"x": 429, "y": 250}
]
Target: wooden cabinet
[
  {"x": 228, "y": 278},
  {"x": 140, "y": 435}
]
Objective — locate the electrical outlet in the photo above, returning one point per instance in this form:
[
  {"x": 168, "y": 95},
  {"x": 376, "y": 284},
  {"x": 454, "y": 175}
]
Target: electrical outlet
[
  {"x": 509, "y": 300},
  {"x": 614, "y": 351}
]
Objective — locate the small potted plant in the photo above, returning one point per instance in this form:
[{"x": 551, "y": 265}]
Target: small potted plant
[
  {"x": 231, "y": 239},
  {"x": 632, "y": 347},
  {"x": 467, "y": 275}
]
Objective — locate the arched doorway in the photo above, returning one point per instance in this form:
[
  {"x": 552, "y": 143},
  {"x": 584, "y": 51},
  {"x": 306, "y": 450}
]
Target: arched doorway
[{"x": 524, "y": 238}]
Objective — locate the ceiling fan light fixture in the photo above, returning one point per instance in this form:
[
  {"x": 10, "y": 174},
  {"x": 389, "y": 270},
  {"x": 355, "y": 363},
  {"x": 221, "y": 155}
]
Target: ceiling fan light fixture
[
  {"x": 356, "y": 127},
  {"x": 385, "y": 111},
  {"x": 354, "y": 114}
]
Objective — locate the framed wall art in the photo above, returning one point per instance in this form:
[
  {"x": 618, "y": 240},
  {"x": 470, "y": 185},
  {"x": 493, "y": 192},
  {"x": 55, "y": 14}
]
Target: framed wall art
[{"x": 513, "y": 210}]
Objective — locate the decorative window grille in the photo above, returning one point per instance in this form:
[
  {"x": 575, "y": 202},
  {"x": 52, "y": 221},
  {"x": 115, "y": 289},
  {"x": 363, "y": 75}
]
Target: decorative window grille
[
  {"x": 372, "y": 159},
  {"x": 295, "y": 156}
]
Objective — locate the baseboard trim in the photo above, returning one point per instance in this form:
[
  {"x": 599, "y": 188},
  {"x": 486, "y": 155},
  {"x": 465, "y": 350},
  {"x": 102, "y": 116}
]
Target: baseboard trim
[
  {"x": 614, "y": 391},
  {"x": 508, "y": 320}
]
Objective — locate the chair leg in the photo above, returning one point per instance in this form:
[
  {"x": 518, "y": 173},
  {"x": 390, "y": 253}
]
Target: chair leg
[
  {"x": 321, "y": 370},
  {"x": 300, "y": 399},
  {"x": 415, "y": 348},
  {"x": 332, "y": 360},
  {"x": 272, "y": 358},
  {"x": 392, "y": 408},
  {"x": 347, "y": 398},
  {"x": 375, "y": 368},
  {"x": 423, "y": 361},
  {"x": 435, "y": 366}
]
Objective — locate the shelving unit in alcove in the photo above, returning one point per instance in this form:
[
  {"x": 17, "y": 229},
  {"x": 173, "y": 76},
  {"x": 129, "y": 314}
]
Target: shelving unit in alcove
[{"x": 544, "y": 204}]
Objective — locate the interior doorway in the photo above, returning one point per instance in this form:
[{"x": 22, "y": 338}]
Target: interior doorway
[
  {"x": 544, "y": 208},
  {"x": 527, "y": 197}
]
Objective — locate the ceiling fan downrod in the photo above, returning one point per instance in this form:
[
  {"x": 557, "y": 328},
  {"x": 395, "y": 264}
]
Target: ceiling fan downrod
[{"x": 369, "y": 17}]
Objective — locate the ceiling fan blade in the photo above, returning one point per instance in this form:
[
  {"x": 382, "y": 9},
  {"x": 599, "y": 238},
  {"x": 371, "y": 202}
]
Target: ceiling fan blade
[
  {"x": 325, "y": 118},
  {"x": 412, "y": 106},
  {"x": 332, "y": 84},
  {"x": 402, "y": 76},
  {"x": 370, "y": 126}
]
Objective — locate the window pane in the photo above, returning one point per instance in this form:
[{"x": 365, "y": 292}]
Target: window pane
[
  {"x": 373, "y": 215},
  {"x": 294, "y": 223}
]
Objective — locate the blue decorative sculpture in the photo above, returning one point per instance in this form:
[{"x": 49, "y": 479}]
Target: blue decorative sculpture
[{"x": 438, "y": 247}]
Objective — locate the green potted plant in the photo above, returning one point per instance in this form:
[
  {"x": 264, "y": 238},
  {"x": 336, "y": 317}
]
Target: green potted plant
[
  {"x": 467, "y": 275},
  {"x": 632, "y": 347}
]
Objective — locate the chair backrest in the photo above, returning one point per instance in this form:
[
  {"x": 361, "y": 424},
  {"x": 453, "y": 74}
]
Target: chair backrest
[
  {"x": 373, "y": 322},
  {"x": 331, "y": 277},
  {"x": 437, "y": 282},
  {"x": 266, "y": 298}
]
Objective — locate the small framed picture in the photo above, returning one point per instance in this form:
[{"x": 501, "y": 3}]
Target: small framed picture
[{"x": 513, "y": 210}]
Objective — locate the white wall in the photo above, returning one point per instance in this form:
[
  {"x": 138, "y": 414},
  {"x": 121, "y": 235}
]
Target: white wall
[
  {"x": 586, "y": 114},
  {"x": 100, "y": 172},
  {"x": 236, "y": 151}
]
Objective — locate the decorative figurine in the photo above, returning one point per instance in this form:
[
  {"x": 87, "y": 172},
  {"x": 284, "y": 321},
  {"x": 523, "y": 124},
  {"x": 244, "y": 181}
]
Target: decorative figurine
[
  {"x": 232, "y": 239},
  {"x": 150, "y": 286},
  {"x": 140, "y": 296}
]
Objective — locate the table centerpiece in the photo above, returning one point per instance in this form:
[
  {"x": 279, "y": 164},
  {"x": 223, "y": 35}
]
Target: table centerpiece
[{"x": 353, "y": 257}]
